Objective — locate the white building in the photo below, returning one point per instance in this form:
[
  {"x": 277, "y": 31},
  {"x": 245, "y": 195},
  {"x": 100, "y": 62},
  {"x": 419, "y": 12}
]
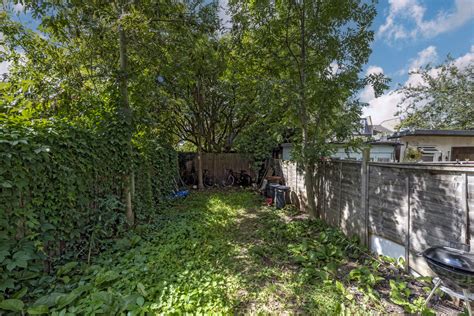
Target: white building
[
  {"x": 381, "y": 151},
  {"x": 437, "y": 145}
]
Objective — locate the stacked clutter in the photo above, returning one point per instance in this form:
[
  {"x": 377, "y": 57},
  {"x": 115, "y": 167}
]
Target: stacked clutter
[{"x": 275, "y": 193}]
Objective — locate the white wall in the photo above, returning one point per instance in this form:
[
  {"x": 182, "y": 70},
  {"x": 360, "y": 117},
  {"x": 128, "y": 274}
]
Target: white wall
[
  {"x": 442, "y": 143},
  {"x": 377, "y": 153}
]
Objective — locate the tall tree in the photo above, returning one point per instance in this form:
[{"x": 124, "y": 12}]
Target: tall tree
[
  {"x": 97, "y": 61},
  {"x": 443, "y": 98},
  {"x": 210, "y": 103},
  {"x": 313, "y": 52}
]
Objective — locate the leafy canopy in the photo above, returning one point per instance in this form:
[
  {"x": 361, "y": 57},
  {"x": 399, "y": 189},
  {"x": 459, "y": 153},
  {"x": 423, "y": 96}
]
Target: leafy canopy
[{"x": 443, "y": 98}]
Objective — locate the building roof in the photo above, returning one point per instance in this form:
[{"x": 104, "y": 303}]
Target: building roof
[
  {"x": 434, "y": 132},
  {"x": 384, "y": 142},
  {"x": 381, "y": 129}
]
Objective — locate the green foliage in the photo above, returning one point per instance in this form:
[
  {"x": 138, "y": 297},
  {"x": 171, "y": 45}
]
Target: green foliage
[
  {"x": 61, "y": 196},
  {"x": 400, "y": 294},
  {"x": 412, "y": 154},
  {"x": 366, "y": 279},
  {"x": 217, "y": 253},
  {"x": 311, "y": 54},
  {"x": 444, "y": 100}
]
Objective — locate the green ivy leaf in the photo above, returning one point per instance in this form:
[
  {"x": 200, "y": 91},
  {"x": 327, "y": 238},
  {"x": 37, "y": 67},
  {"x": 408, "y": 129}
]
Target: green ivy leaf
[
  {"x": 6, "y": 184},
  {"x": 140, "y": 301},
  {"x": 67, "y": 299},
  {"x": 65, "y": 269},
  {"x": 3, "y": 255},
  {"x": 21, "y": 259},
  {"x": 20, "y": 293},
  {"x": 141, "y": 289},
  {"x": 48, "y": 300},
  {"x": 38, "y": 310},
  {"x": 106, "y": 277},
  {"x": 6, "y": 284},
  {"x": 13, "y": 305}
]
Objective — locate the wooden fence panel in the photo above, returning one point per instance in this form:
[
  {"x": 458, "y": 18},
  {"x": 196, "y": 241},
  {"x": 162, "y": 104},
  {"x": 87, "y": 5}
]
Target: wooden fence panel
[
  {"x": 470, "y": 207},
  {"x": 437, "y": 215},
  {"x": 217, "y": 163}
]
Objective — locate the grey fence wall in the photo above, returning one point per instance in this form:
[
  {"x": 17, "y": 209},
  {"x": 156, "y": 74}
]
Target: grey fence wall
[{"x": 415, "y": 206}]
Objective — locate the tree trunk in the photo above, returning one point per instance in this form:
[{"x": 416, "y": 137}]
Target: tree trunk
[
  {"x": 309, "y": 182},
  {"x": 307, "y": 162},
  {"x": 126, "y": 116},
  {"x": 199, "y": 171}
]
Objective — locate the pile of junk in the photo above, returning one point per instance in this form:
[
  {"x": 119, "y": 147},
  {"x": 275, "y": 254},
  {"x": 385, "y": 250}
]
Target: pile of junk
[{"x": 271, "y": 186}]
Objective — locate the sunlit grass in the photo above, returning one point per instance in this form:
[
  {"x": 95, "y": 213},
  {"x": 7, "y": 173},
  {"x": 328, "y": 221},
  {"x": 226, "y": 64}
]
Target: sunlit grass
[{"x": 217, "y": 253}]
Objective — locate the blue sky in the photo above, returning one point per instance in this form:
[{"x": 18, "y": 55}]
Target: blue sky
[
  {"x": 395, "y": 54},
  {"x": 412, "y": 33},
  {"x": 409, "y": 34}
]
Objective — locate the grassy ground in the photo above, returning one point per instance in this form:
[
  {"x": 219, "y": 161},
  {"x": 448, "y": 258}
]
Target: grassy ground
[{"x": 226, "y": 253}]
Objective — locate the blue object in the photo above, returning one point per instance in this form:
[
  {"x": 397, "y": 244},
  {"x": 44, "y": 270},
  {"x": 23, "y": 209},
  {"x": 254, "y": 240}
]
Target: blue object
[{"x": 180, "y": 194}]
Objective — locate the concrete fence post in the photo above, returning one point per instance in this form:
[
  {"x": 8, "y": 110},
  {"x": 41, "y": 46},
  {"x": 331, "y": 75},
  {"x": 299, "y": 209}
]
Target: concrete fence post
[
  {"x": 364, "y": 190},
  {"x": 465, "y": 207},
  {"x": 408, "y": 223}
]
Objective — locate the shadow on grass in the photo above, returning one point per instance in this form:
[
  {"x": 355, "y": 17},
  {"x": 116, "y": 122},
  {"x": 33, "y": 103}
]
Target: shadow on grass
[
  {"x": 215, "y": 252},
  {"x": 244, "y": 244},
  {"x": 273, "y": 280}
]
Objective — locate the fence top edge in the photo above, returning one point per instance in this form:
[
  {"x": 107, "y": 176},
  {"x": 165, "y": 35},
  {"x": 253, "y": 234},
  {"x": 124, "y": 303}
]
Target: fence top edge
[
  {"x": 435, "y": 167},
  {"x": 460, "y": 168}
]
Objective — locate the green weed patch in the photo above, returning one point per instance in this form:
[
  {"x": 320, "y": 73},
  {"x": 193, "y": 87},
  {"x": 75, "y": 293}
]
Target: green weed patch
[{"x": 218, "y": 253}]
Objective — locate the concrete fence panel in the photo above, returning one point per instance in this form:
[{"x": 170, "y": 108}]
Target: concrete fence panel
[{"x": 395, "y": 209}]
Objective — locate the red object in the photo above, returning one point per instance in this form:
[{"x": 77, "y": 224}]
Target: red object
[{"x": 269, "y": 201}]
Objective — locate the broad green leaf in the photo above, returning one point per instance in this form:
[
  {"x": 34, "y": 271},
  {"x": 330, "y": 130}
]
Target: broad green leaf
[
  {"x": 13, "y": 305},
  {"x": 38, "y": 310},
  {"x": 140, "y": 301},
  {"x": 68, "y": 267}
]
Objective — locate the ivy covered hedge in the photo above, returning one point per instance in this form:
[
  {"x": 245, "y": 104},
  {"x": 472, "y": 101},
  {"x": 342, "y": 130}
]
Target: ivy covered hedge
[{"x": 61, "y": 194}]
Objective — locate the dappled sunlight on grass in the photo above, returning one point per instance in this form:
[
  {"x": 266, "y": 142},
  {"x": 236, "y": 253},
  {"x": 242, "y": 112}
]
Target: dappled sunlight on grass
[{"x": 217, "y": 252}]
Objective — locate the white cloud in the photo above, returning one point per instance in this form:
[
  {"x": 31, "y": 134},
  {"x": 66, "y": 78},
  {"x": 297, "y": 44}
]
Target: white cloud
[
  {"x": 463, "y": 61},
  {"x": 406, "y": 19},
  {"x": 368, "y": 93},
  {"x": 427, "y": 56},
  {"x": 374, "y": 70},
  {"x": 424, "y": 57},
  {"x": 4, "y": 67},
  {"x": 384, "y": 107}
]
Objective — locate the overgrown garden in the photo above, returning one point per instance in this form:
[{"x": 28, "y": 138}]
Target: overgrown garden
[
  {"x": 225, "y": 253},
  {"x": 99, "y": 97}
]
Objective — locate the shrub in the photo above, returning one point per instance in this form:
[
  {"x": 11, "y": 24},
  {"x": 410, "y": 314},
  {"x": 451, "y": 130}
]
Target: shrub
[{"x": 61, "y": 193}]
